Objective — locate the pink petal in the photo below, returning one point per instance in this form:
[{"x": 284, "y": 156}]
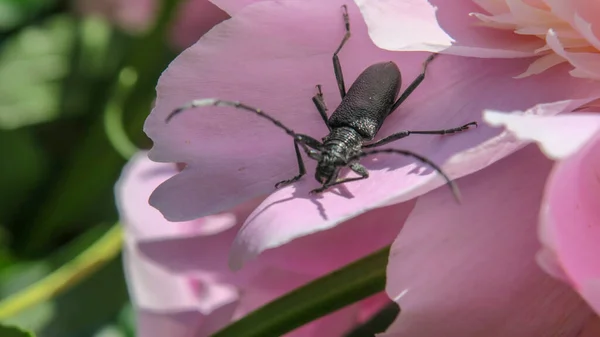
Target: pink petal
[
  {"x": 542, "y": 64},
  {"x": 181, "y": 324},
  {"x": 565, "y": 10},
  {"x": 570, "y": 218},
  {"x": 319, "y": 253},
  {"x": 590, "y": 291},
  {"x": 209, "y": 256},
  {"x": 139, "y": 178},
  {"x": 496, "y": 7},
  {"x": 548, "y": 261},
  {"x": 233, "y": 6},
  {"x": 262, "y": 230},
  {"x": 194, "y": 19},
  {"x": 226, "y": 164},
  {"x": 586, "y": 29},
  {"x": 586, "y": 64},
  {"x": 154, "y": 287},
  {"x": 178, "y": 278},
  {"x": 440, "y": 26},
  {"x": 200, "y": 255},
  {"x": 372, "y": 305},
  {"x": 469, "y": 270},
  {"x": 169, "y": 303},
  {"x": 581, "y": 15},
  {"x": 505, "y": 143},
  {"x": 198, "y": 72},
  {"x": 525, "y": 11},
  {"x": 335, "y": 324},
  {"x": 311, "y": 255},
  {"x": 558, "y": 136},
  {"x": 592, "y": 327},
  {"x": 169, "y": 245}
]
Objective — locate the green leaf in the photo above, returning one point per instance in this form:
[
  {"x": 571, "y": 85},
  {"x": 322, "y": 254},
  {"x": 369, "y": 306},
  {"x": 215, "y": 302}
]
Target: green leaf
[
  {"x": 47, "y": 296},
  {"x": 325, "y": 295},
  {"x": 33, "y": 64},
  {"x": 11, "y": 331}
]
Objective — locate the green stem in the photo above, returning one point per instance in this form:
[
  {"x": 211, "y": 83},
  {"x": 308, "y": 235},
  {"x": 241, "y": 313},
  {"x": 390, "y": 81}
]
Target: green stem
[
  {"x": 325, "y": 295},
  {"x": 113, "y": 115},
  {"x": 85, "y": 264}
]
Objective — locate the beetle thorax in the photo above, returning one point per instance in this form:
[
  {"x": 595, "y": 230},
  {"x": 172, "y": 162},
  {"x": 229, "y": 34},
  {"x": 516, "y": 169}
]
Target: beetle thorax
[{"x": 338, "y": 148}]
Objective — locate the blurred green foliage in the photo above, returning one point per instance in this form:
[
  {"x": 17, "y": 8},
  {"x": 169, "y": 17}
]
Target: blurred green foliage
[
  {"x": 74, "y": 92},
  {"x": 16, "y": 13},
  {"x": 12, "y": 331},
  {"x": 34, "y": 64}
]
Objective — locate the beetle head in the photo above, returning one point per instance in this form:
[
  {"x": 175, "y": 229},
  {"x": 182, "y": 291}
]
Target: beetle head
[{"x": 328, "y": 168}]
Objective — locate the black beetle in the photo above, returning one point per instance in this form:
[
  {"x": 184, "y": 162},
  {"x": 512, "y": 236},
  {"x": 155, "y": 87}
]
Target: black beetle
[{"x": 356, "y": 121}]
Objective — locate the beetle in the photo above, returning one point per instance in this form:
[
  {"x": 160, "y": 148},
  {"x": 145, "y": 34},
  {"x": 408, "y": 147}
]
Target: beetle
[{"x": 353, "y": 124}]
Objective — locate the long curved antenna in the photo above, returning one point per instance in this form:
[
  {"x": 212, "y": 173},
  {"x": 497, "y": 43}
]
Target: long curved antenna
[
  {"x": 217, "y": 102},
  {"x": 449, "y": 182},
  {"x": 306, "y": 142}
]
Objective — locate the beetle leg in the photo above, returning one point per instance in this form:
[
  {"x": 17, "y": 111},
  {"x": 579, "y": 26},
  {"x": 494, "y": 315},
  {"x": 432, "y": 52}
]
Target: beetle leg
[
  {"x": 308, "y": 142},
  {"x": 301, "y": 169},
  {"x": 356, "y": 167},
  {"x": 388, "y": 139},
  {"x": 414, "y": 83},
  {"x": 403, "y": 134},
  {"x": 337, "y": 67},
  {"x": 320, "y": 104},
  {"x": 449, "y": 182},
  {"x": 312, "y": 147}
]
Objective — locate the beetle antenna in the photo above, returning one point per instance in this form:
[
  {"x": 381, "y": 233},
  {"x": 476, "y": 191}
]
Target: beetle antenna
[
  {"x": 217, "y": 102},
  {"x": 452, "y": 185}
]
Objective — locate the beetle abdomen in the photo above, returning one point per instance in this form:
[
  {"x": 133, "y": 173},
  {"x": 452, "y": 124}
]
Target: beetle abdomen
[{"x": 369, "y": 99}]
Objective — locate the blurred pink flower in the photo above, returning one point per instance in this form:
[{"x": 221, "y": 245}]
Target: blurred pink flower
[
  {"x": 194, "y": 17},
  {"x": 455, "y": 270},
  {"x": 555, "y": 30},
  {"x": 178, "y": 276},
  {"x": 569, "y": 215}
]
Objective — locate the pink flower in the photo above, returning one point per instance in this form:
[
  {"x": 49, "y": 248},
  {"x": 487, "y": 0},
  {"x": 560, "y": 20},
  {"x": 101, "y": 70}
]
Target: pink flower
[
  {"x": 556, "y": 31},
  {"x": 233, "y": 155},
  {"x": 455, "y": 270},
  {"x": 470, "y": 270},
  {"x": 178, "y": 276},
  {"x": 569, "y": 217},
  {"x": 194, "y": 17}
]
